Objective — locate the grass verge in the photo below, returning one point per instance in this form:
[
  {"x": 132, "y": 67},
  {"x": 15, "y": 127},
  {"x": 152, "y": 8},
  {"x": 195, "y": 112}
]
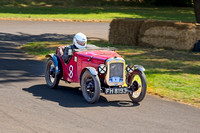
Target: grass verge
[
  {"x": 95, "y": 13},
  {"x": 173, "y": 75}
]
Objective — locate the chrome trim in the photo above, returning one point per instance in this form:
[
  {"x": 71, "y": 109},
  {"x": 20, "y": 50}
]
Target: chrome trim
[{"x": 116, "y": 59}]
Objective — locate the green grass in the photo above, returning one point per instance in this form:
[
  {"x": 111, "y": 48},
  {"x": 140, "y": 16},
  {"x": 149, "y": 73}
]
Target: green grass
[
  {"x": 98, "y": 13},
  {"x": 170, "y": 74}
]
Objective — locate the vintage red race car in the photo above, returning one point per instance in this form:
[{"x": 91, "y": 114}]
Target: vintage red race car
[{"x": 97, "y": 71}]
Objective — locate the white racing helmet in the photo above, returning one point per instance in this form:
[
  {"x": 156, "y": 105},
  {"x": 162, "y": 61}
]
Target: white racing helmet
[{"x": 80, "y": 40}]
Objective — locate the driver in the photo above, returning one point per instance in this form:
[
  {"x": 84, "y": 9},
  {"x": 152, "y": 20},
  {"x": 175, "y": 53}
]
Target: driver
[{"x": 79, "y": 42}]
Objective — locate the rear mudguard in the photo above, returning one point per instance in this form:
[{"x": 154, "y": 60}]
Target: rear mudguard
[{"x": 56, "y": 62}]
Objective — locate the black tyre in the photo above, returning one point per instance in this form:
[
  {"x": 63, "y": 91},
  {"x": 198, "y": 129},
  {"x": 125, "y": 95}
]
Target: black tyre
[
  {"x": 90, "y": 86},
  {"x": 138, "y": 84},
  {"x": 52, "y": 78}
]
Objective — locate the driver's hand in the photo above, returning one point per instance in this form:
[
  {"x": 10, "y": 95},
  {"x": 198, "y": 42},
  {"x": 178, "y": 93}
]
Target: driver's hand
[{"x": 69, "y": 52}]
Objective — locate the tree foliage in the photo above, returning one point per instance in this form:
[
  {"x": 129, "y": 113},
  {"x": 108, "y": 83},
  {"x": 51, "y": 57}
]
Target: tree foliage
[
  {"x": 197, "y": 10},
  {"x": 176, "y": 3}
]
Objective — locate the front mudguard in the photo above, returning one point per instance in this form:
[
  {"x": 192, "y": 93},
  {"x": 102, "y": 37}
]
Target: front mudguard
[
  {"x": 131, "y": 69},
  {"x": 92, "y": 70},
  {"x": 57, "y": 63},
  {"x": 139, "y": 67}
]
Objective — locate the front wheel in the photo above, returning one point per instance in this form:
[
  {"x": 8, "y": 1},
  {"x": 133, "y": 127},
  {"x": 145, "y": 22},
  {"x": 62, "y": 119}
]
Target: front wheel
[
  {"x": 138, "y": 84},
  {"x": 52, "y": 78},
  {"x": 90, "y": 86}
]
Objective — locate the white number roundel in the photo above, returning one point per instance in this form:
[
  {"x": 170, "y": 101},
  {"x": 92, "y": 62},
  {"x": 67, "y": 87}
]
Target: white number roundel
[{"x": 70, "y": 71}]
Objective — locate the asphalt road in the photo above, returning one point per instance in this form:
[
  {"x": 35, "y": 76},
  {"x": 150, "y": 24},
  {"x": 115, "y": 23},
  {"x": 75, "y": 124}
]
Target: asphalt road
[{"x": 27, "y": 105}]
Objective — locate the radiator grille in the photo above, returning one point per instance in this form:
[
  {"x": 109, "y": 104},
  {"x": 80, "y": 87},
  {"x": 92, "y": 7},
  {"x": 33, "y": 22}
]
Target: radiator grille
[{"x": 116, "y": 70}]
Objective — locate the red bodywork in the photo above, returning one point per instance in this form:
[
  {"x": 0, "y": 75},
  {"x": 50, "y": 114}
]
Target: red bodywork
[{"x": 81, "y": 60}]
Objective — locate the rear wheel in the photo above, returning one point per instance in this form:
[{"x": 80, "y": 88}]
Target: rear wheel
[
  {"x": 138, "y": 85},
  {"x": 52, "y": 79},
  {"x": 90, "y": 86}
]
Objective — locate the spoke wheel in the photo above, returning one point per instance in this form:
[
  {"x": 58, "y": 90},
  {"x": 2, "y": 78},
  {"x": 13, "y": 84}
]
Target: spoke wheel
[
  {"x": 90, "y": 86},
  {"x": 52, "y": 79},
  {"x": 138, "y": 85}
]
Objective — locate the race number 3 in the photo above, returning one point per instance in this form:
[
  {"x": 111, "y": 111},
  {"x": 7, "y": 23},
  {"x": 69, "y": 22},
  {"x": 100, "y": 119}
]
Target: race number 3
[{"x": 70, "y": 71}]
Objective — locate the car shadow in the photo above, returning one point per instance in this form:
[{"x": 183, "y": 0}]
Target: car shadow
[
  {"x": 15, "y": 65},
  {"x": 23, "y": 38},
  {"x": 72, "y": 97}
]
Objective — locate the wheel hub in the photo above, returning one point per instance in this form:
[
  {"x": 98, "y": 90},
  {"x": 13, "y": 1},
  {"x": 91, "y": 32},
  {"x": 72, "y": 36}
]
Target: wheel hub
[
  {"x": 52, "y": 72},
  {"x": 90, "y": 86},
  {"x": 135, "y": 86}
]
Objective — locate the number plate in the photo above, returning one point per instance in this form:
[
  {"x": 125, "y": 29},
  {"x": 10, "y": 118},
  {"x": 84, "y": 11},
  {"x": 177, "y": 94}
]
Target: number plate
[{"x": 116, "y": 90}]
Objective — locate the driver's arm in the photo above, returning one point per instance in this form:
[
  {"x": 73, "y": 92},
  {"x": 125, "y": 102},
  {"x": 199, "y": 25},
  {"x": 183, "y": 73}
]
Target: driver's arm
[{"x": 67, "y": 54}]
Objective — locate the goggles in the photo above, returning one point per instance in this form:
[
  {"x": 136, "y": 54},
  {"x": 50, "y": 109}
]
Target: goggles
[{"x": 82, "y": 43}]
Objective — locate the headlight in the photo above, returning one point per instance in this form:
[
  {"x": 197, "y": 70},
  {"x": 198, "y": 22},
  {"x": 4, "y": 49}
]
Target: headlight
[
  {"x": 130, "y": 68},
  {"x": 102, "y": 69}
]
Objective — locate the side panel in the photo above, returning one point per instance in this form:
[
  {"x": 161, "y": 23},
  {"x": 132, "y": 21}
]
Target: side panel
[
  {"x": 70, "y": 71},
  {"x": 84, "y": 63}
]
